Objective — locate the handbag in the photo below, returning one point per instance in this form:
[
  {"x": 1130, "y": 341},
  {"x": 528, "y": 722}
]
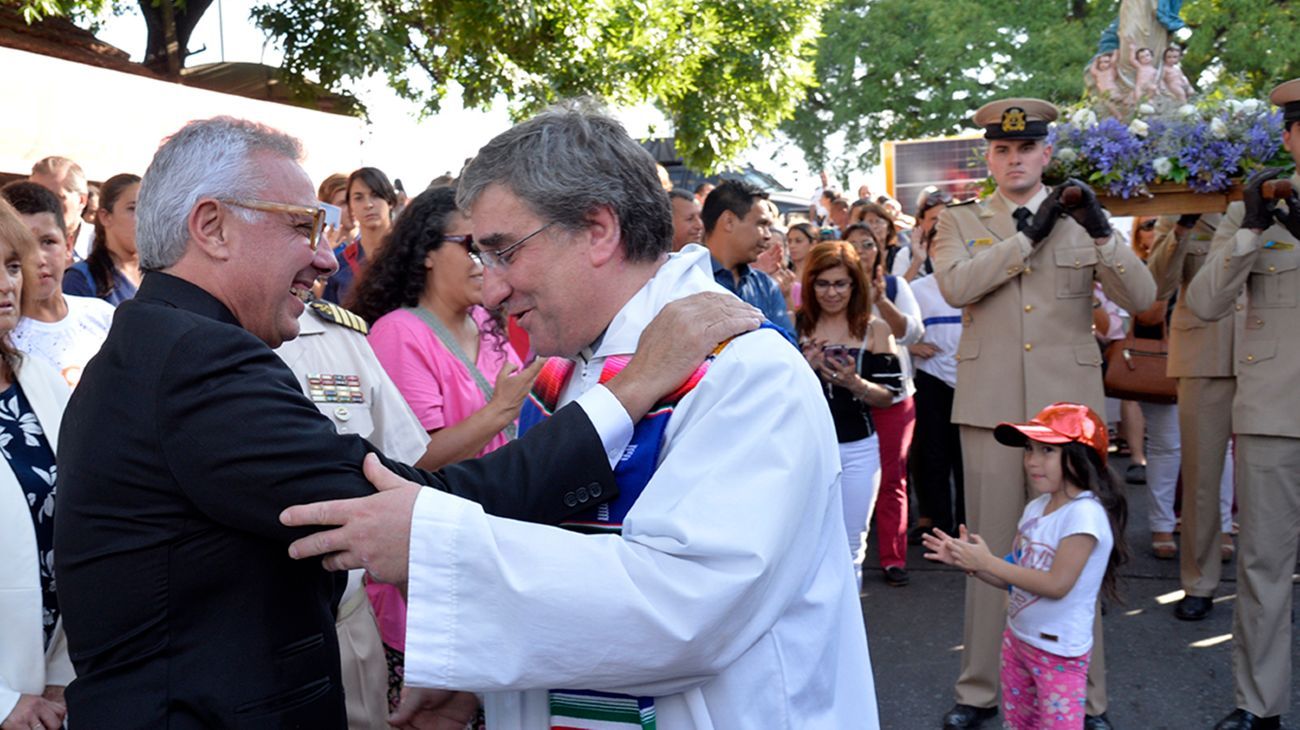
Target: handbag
[{"x": 1137, "y": 367}]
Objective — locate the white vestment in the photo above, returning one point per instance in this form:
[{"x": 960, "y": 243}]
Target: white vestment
[{"x": 729, "y": 597}]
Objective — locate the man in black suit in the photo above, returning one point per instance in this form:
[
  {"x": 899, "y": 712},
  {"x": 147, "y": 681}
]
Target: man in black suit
[{"x": 187, "y": 437}]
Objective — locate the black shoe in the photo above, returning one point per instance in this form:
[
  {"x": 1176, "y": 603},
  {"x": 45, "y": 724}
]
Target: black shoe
[
  {"x": 1135, "y": 474},
  {"x": 1239, "y": 719},
  {"x": 896, "y": 576},
  {"x": 1193, "y": 608},
  {"x": 1097, "y": 722},
  {"x": 967, "y": 717}
]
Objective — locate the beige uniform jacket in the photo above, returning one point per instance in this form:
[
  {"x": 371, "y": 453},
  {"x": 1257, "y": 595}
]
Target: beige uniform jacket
[
  {"x": 1197, "y": 348},
  {"x": 1027, "y": 336},
  {"x": 1267, "y": 356}
]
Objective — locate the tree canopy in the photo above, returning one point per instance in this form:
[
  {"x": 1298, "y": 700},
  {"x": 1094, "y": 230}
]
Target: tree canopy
[
  {"x": 907, "y": 69},
  {"x": 723, "y": 72}
]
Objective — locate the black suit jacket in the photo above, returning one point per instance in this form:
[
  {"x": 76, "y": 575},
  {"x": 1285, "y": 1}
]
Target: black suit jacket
[{"x": 184, "y": 441}]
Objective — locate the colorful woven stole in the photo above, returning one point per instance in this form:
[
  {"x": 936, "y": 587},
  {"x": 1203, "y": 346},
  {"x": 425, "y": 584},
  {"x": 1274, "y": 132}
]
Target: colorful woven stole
[
  {"x": 586, "y": 709},
  {"x": 574, "y": 709}
]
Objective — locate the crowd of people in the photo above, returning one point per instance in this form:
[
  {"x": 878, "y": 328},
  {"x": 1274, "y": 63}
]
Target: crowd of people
[{"x": 953, "y": 357}]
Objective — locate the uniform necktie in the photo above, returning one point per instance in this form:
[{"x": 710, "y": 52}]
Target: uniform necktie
[{"x": 1022, "y": 216}]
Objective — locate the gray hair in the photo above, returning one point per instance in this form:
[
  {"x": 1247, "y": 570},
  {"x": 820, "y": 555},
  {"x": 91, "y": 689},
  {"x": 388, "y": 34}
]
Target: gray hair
[
  {"x": 56, "y": 166},
  {"x": 209, "y": 158},
  {"x": 569, "y": 160}
]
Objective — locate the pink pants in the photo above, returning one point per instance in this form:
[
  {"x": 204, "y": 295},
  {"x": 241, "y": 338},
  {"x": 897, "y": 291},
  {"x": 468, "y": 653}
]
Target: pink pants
[
  {"x": 1040, "y": 689},
  {"x": 894, "y": 426}
]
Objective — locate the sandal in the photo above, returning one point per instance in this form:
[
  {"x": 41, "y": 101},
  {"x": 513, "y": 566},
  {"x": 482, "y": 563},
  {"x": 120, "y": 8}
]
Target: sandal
[
  {"x": 1227, "y": 549},
  {"x": 1163, "y": 546}
]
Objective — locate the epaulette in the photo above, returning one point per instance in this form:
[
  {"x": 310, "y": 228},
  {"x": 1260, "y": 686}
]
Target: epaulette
[
  {"x": 960, "y": 203},
  {"x": 331, "y": 312}
]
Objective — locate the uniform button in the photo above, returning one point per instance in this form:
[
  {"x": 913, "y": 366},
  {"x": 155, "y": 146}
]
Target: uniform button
[
  {"x": 570, "y": 499},
  {"x": 1029, "y": 307},
  {"x": 1250, "y": 358},
  {"x": 595, "y": 490},
  {"x": 583, "y": 496},
  {"x": 1259, "y": 323},
  {"x": 1028, "y": 270},
  {"x": 1028, "y": 347},
  {"x": 342, "y": 413},
  {"x": 1120, "y": 268},
  {"x": 1077, "y": 263},
  {"x": 1271, "y": 269},
  {"x": 1240, "y": 307}
]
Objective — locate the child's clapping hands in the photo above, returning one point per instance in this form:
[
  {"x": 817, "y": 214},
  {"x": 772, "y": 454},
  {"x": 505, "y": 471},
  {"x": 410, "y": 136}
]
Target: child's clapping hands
[{"x": 966, "y": 551}]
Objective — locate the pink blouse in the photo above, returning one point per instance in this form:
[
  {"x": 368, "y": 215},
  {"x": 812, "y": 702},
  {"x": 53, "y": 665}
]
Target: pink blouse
[{"x": 442, "y": 393}]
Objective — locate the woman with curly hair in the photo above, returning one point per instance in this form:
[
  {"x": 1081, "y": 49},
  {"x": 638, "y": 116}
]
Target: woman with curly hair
[{"x": 447, "y": 354}]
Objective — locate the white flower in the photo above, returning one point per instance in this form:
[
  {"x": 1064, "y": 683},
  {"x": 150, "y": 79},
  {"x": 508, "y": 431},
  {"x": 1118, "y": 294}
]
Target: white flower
[
  {"x": 1234, "y": 105},
  {"x": 1218, "y": 128},
  {"x": 1139, "y": 128},
  {"x": 1067, "y": 154},
  {"x": 1084, "y": 118},
  {"x": 1250, "y": 106},
  {"x": 1146, "y": 109},
  {"x": 1187, "y": 110},
  {"x": 1162, "y": 166}
]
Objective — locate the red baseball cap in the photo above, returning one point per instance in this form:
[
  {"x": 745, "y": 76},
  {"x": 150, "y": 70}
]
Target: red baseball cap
[{"x": 1058, "y": 423}]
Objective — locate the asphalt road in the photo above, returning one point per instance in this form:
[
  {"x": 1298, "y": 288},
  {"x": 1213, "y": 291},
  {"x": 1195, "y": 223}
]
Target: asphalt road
[{"x": 1162, "y": 672}]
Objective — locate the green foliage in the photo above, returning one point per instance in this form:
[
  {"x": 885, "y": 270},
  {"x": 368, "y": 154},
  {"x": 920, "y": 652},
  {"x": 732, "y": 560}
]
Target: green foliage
[
  {"x": 1256, "y": 45},
  {"x": 723, "y": 72},
  {"x": 903, "y": 69}
]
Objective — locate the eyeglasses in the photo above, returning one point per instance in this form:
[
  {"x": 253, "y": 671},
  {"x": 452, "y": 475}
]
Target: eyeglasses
[
  {"x": 322, "y": 214},
  {"x": 841, "y": 285},
  {"x": 500, "y": 258},
  {"x": 1148, "y": 225},
  {"x": 467, "y": 240}
]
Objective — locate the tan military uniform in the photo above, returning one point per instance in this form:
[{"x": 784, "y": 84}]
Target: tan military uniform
[
  {"x": 1266, "y": 418},
  {"x": 1200, "y": 356},
  {"x": 337, "y": 369},
  {"x": 1026, "y": 342}
]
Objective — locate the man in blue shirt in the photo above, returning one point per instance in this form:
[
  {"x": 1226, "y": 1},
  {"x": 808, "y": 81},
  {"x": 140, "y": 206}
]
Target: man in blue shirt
[{"x": 736, "y": 230}]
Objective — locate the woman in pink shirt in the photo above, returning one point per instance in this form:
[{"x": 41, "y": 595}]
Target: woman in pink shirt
[{"x": 447, "y": 354}]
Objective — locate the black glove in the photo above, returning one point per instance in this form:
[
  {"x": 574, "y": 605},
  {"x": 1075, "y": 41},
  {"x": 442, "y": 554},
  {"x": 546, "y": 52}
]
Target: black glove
[
  {"x": 1040, "y": 226},
  {"x": 1291, "y": 218},
  {"x": 1088, "y": 212},
  {"x": 1188, "y": 221},
  {"x": 1259, "y": 212}
]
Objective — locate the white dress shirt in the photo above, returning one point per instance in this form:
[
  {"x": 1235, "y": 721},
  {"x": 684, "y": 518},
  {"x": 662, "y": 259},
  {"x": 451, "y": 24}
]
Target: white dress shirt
[{"x": 729, "y": 597}]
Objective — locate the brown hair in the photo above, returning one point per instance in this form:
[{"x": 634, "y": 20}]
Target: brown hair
[
  {"x": 16, "y": 239},
  {"x": 330, "y": 186},
  {"x": 825, "y": 256}
]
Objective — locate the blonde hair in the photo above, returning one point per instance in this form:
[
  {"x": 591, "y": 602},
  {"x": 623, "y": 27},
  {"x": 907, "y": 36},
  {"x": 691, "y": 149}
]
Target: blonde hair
[{"x": 15, "y": 236}]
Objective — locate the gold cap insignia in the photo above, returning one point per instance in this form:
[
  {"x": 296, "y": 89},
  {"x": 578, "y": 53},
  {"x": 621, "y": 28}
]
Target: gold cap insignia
[{"x": 1014, "y": 120}]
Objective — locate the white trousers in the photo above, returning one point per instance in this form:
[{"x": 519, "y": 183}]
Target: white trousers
[{"x": 859, "y": 482}]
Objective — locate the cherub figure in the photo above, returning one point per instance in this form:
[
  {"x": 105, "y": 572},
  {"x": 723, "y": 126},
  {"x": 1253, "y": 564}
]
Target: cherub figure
[
  {"x": 1145, "y": 75},
  {"x": 1173, "y": 82},
  {"x": 1103, "y": 78}
]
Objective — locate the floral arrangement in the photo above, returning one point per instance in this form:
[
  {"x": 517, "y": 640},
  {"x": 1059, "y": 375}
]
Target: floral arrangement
[{"x": 1202, "y": 145}]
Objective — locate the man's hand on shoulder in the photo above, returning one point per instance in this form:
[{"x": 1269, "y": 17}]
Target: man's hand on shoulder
[
  {"x": 371, "y": 532},
  {"x": 674, "y": 345}
]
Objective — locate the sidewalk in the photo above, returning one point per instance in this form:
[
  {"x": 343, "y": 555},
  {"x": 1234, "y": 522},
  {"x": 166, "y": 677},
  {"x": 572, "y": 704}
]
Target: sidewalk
[{"x": 1162, "y": 672}]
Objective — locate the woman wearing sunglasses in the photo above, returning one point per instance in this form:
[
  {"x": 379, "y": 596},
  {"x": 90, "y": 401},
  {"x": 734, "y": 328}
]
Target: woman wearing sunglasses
[{"x": 448, "y": 355}]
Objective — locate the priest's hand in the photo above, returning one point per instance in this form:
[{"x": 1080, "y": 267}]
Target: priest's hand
[
  {"x": 433, "y": 709},
  {"x": 372, "y": 532}
]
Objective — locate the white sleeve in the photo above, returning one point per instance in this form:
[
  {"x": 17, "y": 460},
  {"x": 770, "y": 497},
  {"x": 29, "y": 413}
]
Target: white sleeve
[
  {"x": 1087, "y": 518},
  {"x": 905, "y": 301},
  {"x": 714, "y": 551},
  {"x": 610, "y": 420}
]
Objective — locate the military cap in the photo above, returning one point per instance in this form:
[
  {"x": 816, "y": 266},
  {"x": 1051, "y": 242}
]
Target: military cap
[
  {"x": 1015, "y": 118},
  {"x": 1287, "y": 96}
]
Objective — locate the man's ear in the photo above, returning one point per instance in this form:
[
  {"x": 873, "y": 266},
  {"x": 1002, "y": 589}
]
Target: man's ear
[
  {"x": 207, "y": 224},
  {"x": 606, "y": 235}
]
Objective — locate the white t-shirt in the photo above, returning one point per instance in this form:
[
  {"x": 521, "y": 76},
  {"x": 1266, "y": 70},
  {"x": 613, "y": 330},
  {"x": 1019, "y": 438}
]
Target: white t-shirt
[
  {"x": 1059, "y": 626},
  {"x": 67, "y": 345},
  {"x": 942, "y": 329}
]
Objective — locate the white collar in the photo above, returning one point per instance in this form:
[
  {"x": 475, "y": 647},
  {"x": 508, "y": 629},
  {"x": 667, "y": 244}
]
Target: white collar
[{"x": 1032, "y": 204}]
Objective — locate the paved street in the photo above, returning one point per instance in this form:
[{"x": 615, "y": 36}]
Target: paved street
[{"x": 1163, "y": 673}]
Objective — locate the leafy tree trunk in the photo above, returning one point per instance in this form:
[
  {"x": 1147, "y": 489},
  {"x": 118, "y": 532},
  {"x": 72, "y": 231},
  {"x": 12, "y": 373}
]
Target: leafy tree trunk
[{"x": 170, "y": 25}]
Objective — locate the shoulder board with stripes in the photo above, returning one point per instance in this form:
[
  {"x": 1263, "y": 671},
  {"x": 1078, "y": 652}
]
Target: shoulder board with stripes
[{"x": 331, "y": 312}]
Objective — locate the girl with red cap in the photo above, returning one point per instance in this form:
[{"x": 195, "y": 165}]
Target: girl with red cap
[{"x": 1068, "y": 547}]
